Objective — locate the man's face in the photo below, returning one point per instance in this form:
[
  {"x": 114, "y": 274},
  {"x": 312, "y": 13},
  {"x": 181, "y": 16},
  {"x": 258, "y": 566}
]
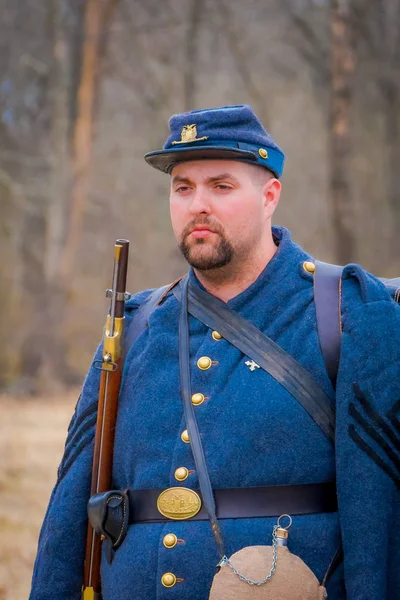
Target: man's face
[{"x": 219, "y": 210}]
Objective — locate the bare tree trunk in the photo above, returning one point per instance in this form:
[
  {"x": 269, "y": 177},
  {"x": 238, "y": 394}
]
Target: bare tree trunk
[
  {"x": 340, "y": 144},
  {"x": 12, "y": 207},
  {"x": 43, "y": 352},
  {"x": 31, "y": 252},
  {"x": 54, "y": 365},
  {"x": 392, "y": 138},
  {"x": 243, "y": 63},
  {"x": 389, "y": 83},
  {"x": 97, "y": 18},
  {"x": 59, "y": 98},
  {"x": 189, "y": 91}
]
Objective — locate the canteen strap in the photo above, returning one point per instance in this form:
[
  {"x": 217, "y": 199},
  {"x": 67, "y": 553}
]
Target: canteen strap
[{"x": 190, "y": 418}]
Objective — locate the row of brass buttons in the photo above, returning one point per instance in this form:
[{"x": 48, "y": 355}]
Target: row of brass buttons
[
  {"x": 170, "y": 540},
  {"x": 182, "y": 473},
  {"x": 169, "y": 579},
  {"x": 205, "y": 362}
]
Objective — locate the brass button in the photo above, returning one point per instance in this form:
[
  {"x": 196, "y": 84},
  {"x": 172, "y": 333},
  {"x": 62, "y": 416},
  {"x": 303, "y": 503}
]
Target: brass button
[
  {"x": 309, "y": 266},
  {"x": 185, "y": 437},
  {"x": 216, "y": 336},
  {"x": 197, "y": 399},
  {"x": 168, "y": 580},
  {"x": 204, "y": 363},
  {"x": 263, "y": 153},
  {"x": 181, "y": 474},
  {"x": 170, "y": 540}
]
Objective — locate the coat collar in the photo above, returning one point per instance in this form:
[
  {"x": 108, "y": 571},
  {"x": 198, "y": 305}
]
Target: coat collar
[{"x": 282, "y": 266}]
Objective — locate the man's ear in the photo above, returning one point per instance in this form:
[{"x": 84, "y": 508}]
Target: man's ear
[{"x": 271, "y": 195}]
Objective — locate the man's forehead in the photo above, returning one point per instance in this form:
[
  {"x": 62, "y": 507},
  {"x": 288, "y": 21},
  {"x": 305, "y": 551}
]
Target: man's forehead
[{"x": 208, "y": 168}]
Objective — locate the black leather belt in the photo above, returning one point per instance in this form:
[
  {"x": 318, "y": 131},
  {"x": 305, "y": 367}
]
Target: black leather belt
[
  {"x": 242, "y": 503},
  {"x": 110, "y": 513}
]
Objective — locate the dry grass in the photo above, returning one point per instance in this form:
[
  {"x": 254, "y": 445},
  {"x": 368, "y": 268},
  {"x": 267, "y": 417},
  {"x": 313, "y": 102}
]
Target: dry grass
[{"x": 32, "y": 436}]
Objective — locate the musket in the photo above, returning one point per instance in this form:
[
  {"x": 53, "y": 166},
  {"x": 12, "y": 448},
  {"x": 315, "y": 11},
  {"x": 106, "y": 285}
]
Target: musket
[{"x": 111, "y": 373}]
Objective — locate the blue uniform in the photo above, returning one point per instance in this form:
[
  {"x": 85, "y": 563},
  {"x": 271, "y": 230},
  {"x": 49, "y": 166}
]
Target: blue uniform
[{"x": 254, "y": 433}]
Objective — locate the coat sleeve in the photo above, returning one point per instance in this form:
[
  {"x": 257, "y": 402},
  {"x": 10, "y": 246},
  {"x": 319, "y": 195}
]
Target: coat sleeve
[
  {"x": 58, "y": 570},
  {"x": 368, "y": 437}
]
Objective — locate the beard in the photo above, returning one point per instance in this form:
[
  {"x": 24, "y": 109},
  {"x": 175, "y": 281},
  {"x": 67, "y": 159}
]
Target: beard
[{"x": 203, "y": 253}]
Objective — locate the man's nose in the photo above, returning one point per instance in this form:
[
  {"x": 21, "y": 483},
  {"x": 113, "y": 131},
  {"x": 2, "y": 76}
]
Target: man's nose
[{"x": 200, "y": 202}]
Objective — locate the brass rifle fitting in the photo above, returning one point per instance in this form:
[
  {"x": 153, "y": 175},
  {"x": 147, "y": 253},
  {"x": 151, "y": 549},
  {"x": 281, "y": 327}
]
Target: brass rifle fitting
[
  {"x": 112, "y": 346},
  {"x": 88, "y": 594}
]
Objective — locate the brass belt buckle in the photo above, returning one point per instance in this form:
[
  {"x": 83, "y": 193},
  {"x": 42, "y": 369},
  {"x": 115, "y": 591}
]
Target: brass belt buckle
[{"x": 178, "y": 503}]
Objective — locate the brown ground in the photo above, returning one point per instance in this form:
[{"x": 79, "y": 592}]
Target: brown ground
[{"x": 32, "y": 436}]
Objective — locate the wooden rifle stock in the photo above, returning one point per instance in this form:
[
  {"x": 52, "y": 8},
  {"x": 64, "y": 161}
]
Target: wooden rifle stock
[{"x": 111, "y": 373}]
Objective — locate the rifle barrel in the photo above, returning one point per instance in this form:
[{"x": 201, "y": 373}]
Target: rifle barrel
[{"x": 110, "y": 382}]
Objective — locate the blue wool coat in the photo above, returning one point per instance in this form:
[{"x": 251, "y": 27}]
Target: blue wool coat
[{"x": 254, "y": 433}]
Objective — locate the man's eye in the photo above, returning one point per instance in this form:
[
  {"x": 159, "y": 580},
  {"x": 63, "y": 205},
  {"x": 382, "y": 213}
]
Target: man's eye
[
  {"x": 222, "y": 186},
  {"x": 182, "y": 188}
]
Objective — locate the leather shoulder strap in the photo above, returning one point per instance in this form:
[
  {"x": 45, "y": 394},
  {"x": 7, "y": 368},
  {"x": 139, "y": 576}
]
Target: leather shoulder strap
[
  {"x": 393, "y": 287},
  {"x": 327, "y": 281},
  {"x": 327, "y": 297},
  {"x": 266, "y": 353},
  {"x": 141, "y": 316}
]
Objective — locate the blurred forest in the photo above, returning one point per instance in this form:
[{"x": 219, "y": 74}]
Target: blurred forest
[{"x": 87, "y": 87}]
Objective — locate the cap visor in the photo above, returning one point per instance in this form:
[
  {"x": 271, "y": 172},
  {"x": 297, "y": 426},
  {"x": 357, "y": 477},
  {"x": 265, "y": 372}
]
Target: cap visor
[{"x": 165, "y": 160}]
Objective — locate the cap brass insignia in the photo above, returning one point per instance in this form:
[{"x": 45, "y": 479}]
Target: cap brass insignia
[{"x": 188, "y": 134}]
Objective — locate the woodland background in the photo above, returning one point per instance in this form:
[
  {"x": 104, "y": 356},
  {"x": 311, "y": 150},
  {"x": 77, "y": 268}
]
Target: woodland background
[{"x": 86, "y": 89}]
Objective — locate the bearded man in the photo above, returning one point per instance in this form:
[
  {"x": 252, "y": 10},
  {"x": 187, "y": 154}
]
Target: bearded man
[{"x": 266, "y": 448}]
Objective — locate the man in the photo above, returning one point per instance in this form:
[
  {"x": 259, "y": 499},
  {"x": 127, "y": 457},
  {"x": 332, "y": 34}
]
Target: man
[{"x": 225, "y": 184}]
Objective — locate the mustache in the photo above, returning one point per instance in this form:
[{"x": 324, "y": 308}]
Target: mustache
[{"x": 211, "y": 225}]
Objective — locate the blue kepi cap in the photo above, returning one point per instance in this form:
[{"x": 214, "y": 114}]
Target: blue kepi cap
[{"x": 227, "y": 132}]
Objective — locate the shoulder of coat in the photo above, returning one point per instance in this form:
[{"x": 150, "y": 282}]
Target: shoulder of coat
[{"x": 137, "y": 300}]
